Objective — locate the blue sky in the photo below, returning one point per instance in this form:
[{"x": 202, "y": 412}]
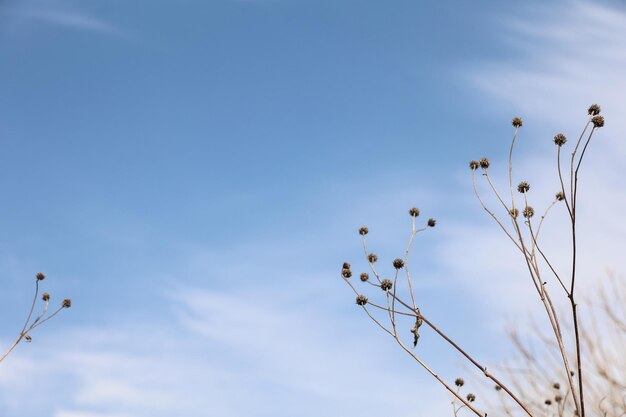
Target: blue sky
[{"x": 192, "y": 175}]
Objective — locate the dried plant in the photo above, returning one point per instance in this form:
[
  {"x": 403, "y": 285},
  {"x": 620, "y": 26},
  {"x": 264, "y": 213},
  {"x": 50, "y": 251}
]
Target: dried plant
[
  {"x": 31, "y": 324},
  {"x": 524, "y": 234}
]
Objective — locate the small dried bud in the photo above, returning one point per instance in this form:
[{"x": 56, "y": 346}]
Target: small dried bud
[
  {"x": 398, "y": 263},
  {"x": 361, "y": 300},
  {"x": 556, "y": 385},
  {"x": 346, "y": 265},
  {"x": 414, "y": 212},
  {"x": 516, "y": 122},
  {"x": 386, "y": 284},
  {"x": 459, "y": 382},
  {"x": 484, "y": 163},
  {"x": 498, "y": 388},
  {"x": 548, "y": 402},
  {"x": 598, "y": 121},
  {"x": 40, "y": 276},
  {"x": 560, "y": 196},
  {"x": 45, "y": 296},
  {"x": 471, "y": 397},
  {"x": 523, "y": 187},
  {"x": 560, "y": 139},
  {"x": 372, "y": 258},
  {"x": 474, "y": 165},
  {"x": 364, "y": 276},
  {"x": 363, "y": 231},
  {"x": 67, "y": 303},
  {"x": 346, "y": 273},
  {"x": 528, "y": 212},
  {"x": 28, "y": 338},
  {"x": 593, "y": 110},
  {"x": 558, "y": 398},
  {"x": 514, "y": 213},
  {"x": 431, "y": 222}
]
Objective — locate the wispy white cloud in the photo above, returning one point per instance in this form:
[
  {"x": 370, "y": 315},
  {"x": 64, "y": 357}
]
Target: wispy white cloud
[
  {"x": 568, "y": 55},
  {"x": 57, "y": 14}
]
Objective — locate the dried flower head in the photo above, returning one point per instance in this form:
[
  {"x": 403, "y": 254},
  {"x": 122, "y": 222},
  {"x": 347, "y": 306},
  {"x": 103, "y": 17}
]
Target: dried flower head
[
  {"x": 560, "y": 139},
  {"x": 45, "y": 296},
  {"x": 498, "y": 388},
  {"x": 593, "y": 110},
  {"x": 523, "y": 187},
  {"x": 560, "y": 196},
  {"x": 67, "y": 303},
  {"x": 471, "y": 397},
  {"x": 398, "y": 263},
  {"x": 548, "y": 402},
  {"x": 414, "y": 212},
  {"x": 361, "y": 300},
  {"x": 598, "y": 121},
  {"x": 346, "y": 273},
  {"x": 40, "y": 276},
  {"x": 528, "y": 212},
  {"x": 346, "y": 265},
  {"x": 386, "y": 284},
  {"x": 484, "y": 163},
  {"x": 372, "y": 258},
  {"x": 364, "y": 276},
  {"x": 514, "y": 213},
  {"x": 556, "y": 385},
  {"x": 459, "y": 382},
  {"x": 474, "y": 165},
  {"x": 363, "y": 231},
  {"x": 516, "y": 122},
  {"x": 558, "y": 398}
]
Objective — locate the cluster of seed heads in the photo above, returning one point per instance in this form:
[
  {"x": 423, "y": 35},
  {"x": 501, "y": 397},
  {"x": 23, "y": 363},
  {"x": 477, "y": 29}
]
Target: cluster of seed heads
[{"x": 67, "y": 303}]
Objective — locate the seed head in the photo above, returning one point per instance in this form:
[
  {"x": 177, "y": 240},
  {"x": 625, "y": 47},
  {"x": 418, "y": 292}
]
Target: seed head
[
  {"x": 593, "y": 110},
  {"x": 514, "y": 213},
  {"x": 471, "y": 397},
  {"x": 346, "y": 273},
  {"x": 459, "y": 382},
  {"x": 372, "y": 257},
  {"x": 560, "y": 139},
  {"x": 523, "y": 187},
  {"x": 364, "y": 276},
  {"x": 386, "y": 284},
  {"x": 498, "y": 388},
  {"x": 560, "y": 196},
  {"x": 45, "y": 296},
  {"x": 398, "y": 263},
  {"x": 516, "y": 122},
  {"x": 414, "y": 212},
  {"x": 40, "y": 276},
  {"x": 474, "y": 165},
  {"x": 598, "y": 121},
  {"x": 67, "y": 303},
  {"x": 431, "y": 222},
  {"x": 558, "y": 398},
  {"x": 361, "y": 300},
  {"x": 346, "y": 265},
  {"x": 548, "y": 402},
  {"x": 363, "y": 231},
  {"x": 484, "y": 163},
  {"x": 556, "y": 385},
  {"x": 528, "y": 212}
]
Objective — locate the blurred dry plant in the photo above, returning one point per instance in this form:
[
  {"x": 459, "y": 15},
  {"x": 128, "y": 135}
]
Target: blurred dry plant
[
  {"x": 32, "y": 323},
  {"x": 399, "y": 310}
]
